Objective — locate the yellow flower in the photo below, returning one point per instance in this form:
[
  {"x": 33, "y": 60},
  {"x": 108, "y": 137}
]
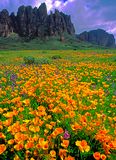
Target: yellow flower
[
  {"x": 2, "y": 135},
  {"x": 45, "y": 145},
  {"x": 83, "y": 146},
  {"x": 65, "y": 143},
  {"x": 53, "y": 153},
  {"x": 16, "y": 157},
  {"x": 11, "y": 141},
  {"x": 87, "y": 149},
  {"x": 32, "y": 158},
  {"x": 26, "y": 102},
  {"x": 29, "y": 145},
  {"x": 19, "y": 146},
  {"x": 78, "y": 143},
  {"x": 34, "y": 128}
]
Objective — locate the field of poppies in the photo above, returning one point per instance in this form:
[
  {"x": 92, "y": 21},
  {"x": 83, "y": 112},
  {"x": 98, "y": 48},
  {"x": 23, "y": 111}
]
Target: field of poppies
[{"x": 64, "y": 110}]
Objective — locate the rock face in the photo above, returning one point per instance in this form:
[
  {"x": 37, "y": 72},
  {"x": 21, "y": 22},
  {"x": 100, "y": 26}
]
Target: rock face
[
  {"x": 99, "y": 37},
  {"x": 5, "y": 23},
  {"x": 35, "y": 22}
]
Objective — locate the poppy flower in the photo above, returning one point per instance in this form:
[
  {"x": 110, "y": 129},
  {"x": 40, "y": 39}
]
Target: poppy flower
[
  {"x": 53, "y": 153},
  {"x": 97, "y": 156},
  {"x": 2, "y": 148}
]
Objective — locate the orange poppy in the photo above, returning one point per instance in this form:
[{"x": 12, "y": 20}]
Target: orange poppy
[
  {"x": 97, "y": 156},
  {"x": 57, "y": 131},
  {"x": 52, "y": 158},
  {"x": 35, "y": 152},
  {"x": 7, "y": 122},
  {"x": 65, "y": 143},
  {"x": 2, "y": 135},
  {"x": 19, "y": 146},
  {"x": 62, "y": 153},
  {"x": 76, "y": 126},
  {"x": 45, "y": 145},
  {"x": 69, "y": 158},
  {"x": 29, "y": 145},
  {"x": 72, "y": 114},
  {"x": 11, "y": 141},
  {"x": 26, "y": 102},
  {"x": 2, "y": 148},
  {"x": 103, "y": 156},
  {"x": 16, "y": 157},
  {"x": 83, "y": 146},
  {"x": 60, "y": 130},
  {"x": 32, "y": 158},
  {"x": 53, "y": 153},
  {"x": 23, "y": 127}
]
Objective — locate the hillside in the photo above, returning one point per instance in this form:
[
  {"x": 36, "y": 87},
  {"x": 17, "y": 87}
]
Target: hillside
[{"x": 14, "y": 42}]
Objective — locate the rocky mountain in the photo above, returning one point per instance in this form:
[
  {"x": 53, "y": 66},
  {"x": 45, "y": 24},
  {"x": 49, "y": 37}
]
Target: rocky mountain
[
  {"x": 35, "y": 22},
  {"x": 99, "y": 37},
  {"x": 5, "y": 23}
]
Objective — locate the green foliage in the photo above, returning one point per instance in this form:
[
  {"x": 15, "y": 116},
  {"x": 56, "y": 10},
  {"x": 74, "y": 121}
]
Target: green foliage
[
  {"x": 42, "y": 61},
  {"x": 29, "y": 60},
  {"x": 14, "y": 42},
  {"x": 56, "y": 57}
]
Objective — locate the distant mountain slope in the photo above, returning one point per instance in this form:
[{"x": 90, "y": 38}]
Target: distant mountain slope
[
  {"x": 98, "y": 37},
  {"x": 70, "y": 42}
]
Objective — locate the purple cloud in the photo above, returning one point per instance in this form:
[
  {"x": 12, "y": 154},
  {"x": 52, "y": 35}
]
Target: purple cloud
[
  {"x": 85, "y": 14},
  {"x": 89, "y": 14}
]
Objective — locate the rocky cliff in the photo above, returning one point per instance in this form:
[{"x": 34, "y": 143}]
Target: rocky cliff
[
  {"x": 99, "y": 37},
  {"x": 5, "y": 23},
  {"x": 35, "y": 22}
]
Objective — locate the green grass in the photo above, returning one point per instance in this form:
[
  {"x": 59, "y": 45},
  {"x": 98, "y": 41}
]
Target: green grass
[
  {"x": 16, "y": 57},
  {"x": 14, "y": 42}
]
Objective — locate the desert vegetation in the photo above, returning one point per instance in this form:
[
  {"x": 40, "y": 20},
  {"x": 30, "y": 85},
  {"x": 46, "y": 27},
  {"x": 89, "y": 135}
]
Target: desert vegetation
[{"x": 58, "y": 105}]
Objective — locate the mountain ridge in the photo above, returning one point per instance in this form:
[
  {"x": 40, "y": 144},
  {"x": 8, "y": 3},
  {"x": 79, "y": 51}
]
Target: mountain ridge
[
  {"x": 31, "y": 23},
  {"x": 35, "y": 22},
  {"x": 99, "y": 37}
]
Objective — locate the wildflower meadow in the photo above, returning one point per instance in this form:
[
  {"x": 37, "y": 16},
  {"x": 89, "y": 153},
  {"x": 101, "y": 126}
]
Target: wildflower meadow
[{"x": 61, "y": 110}]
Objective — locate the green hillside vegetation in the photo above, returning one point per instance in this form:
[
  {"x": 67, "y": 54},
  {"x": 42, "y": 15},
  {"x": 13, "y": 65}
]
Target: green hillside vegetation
[{"x": 14, "y": 42}]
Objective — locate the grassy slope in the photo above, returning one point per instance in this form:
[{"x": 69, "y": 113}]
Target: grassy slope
[{"x": 52, "y": 43}]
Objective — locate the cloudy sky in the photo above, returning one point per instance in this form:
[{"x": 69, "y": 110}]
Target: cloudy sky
[{"x": 85, "y": 14}]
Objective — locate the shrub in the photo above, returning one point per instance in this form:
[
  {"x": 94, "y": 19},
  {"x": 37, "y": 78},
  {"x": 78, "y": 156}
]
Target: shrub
[
  {"x": 42, "y": 61},
  {"x": 29, "y": 60},
  {"x": 32, "y": 60},
  {"x": 56, "y": 57}
]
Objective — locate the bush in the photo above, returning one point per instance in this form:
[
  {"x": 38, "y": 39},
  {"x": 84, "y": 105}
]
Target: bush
[
  {"x": 32, "y": 60},
  {"x": 42, "y": 61},
  {"x": 56, "y": 57},
  {"x": 29, "y": 60}
]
